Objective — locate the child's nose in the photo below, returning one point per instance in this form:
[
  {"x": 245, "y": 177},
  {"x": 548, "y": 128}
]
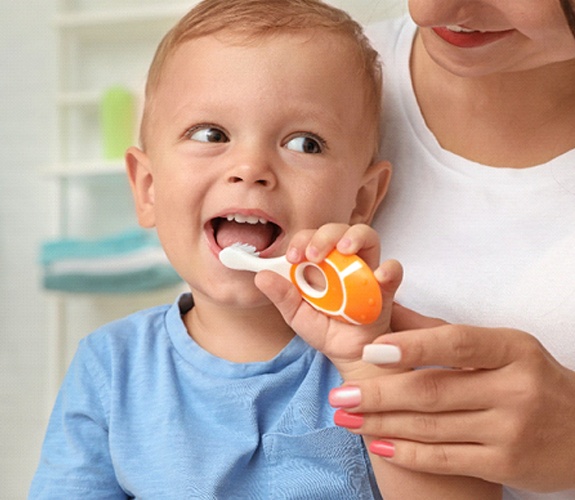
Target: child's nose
[{"x": 253, "y": 171}]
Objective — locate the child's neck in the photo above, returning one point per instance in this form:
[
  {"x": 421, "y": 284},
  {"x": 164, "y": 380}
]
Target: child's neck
[{"x": 238, "y": 335}]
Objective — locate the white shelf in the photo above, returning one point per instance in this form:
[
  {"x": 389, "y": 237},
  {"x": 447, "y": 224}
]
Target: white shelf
[
  {"x": 80, "y": 98},
  {"x": 121, "y": 16},
  {"x": 89, "y": 98},
  {"x": 86, "y": 169}
]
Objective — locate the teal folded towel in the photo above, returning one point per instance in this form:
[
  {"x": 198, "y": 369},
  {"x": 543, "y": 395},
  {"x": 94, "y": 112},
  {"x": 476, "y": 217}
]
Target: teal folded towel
[{"x": 132, "y": 261}]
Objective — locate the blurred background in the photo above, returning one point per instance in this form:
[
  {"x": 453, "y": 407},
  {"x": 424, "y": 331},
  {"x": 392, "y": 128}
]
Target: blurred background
[{"x": 71, "y": 258}]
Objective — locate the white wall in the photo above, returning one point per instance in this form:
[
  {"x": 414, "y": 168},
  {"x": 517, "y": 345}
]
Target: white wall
[
  {"x": 26, "y": 120},
  {"x": 27, "y": 116}
]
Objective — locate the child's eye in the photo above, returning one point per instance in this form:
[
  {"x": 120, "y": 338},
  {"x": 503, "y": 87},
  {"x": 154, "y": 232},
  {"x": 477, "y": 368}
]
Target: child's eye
[
  {"x": 207, "y": 133},
  {"x": 306, "y": 144}
]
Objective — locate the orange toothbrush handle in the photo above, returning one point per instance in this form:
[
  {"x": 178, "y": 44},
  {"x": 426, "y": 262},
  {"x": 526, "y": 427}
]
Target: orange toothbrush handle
[{"x": 350, "y": 292}]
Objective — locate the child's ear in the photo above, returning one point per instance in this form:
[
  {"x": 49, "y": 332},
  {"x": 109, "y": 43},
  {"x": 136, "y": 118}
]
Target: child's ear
[
  {"x": 371, "y": 193},
  {"x": 142, "y": 184}
]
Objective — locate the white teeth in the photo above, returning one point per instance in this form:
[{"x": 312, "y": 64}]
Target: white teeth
[
  {"x": 459, "y": 29},
  {"x": 242, "y": 219}
]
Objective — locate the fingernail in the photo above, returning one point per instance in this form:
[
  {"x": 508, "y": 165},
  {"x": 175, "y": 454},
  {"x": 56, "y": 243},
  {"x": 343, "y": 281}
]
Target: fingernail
[
  {"x": 293, "y": 255},
  {"x": 382, "y": 448},
  {"x": 381, "y": 354},
  {"x": 380, "y": 276},
  {"x": 348, "y": 420},
  {"x": 311, "y": 253},
  {"x": 345, "y": 397},
  {"x": 344, "y": 244}
]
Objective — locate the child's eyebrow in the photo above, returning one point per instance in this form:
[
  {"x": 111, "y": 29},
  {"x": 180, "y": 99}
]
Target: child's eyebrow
[{"x": 323, "y": 118}]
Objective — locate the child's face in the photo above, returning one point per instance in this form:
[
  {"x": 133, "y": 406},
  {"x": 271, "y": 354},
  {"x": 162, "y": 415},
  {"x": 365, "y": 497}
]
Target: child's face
[
  {"x": 519, "y": 34},
  {"x": 253, "y": 143}
]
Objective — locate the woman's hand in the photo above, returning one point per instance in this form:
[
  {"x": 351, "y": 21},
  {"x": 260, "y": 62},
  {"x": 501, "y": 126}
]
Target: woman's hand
[{"x": 503, "y": 410}]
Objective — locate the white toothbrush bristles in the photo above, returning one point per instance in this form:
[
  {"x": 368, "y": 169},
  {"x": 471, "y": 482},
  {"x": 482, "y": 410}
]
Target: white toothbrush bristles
[
  {"x": 235, "y": 255},
  {"x": 245, "y": 257},
  {"x": 246, "y": 247}
]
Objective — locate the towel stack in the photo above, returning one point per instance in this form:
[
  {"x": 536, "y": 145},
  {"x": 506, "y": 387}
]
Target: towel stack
[{"x": 132, "y": 261}]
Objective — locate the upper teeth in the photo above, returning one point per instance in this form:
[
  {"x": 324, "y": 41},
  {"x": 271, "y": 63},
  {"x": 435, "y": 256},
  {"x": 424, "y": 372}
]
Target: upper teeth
[
  {"x": 250, "y": 219},
  {"x": 459, "y": 29}
]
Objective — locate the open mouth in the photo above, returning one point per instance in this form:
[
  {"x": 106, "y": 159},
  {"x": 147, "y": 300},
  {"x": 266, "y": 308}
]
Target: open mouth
[{"x": 249, "y": 229}]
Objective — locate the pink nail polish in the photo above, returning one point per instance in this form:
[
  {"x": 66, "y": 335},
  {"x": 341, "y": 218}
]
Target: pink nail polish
[
  {"x": 348, "y": 420},
  {"x": 345, "y": 397},
  {"x": 382, "y": 448}
]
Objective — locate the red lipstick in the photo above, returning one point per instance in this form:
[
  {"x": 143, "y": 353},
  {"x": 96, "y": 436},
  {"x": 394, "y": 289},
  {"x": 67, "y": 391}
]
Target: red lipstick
[{"x": 467, "y": 39}]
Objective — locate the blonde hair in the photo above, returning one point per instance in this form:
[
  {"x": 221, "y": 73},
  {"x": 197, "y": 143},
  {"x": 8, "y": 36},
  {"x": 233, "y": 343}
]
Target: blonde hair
[{"x": 251, "y": 20}]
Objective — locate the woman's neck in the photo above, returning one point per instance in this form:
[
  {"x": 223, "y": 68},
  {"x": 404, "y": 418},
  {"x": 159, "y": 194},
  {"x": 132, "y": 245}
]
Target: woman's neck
[
  {"x": 236, "y": 334},
  {"x": 505, "y": 120}
]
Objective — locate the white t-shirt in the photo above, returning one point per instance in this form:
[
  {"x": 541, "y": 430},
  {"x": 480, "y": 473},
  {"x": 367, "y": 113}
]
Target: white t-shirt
[{"x": 480, "y": 245}]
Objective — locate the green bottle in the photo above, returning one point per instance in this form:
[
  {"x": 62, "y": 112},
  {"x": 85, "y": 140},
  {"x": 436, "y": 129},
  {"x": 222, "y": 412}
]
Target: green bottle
[{"x": 118, "y": 121}]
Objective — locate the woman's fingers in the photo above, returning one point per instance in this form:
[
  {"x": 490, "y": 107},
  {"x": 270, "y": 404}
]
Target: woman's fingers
[
  {"x": 456, "y": 346},
  {"x": 462, "y": 459},
  {"x": 426, "y": 391},
  {"x": 428, "y": 428}
]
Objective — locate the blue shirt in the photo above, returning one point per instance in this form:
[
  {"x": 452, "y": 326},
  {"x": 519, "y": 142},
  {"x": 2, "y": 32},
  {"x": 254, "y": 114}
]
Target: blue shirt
[{"x": 145, "y": 412}]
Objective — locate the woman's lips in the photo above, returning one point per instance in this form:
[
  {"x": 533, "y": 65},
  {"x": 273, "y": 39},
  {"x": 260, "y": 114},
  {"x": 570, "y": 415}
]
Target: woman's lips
[{"x": 469, "y": 39}]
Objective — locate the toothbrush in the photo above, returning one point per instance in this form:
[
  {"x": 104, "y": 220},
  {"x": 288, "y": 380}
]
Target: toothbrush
[{"x": 350, "y": 292}]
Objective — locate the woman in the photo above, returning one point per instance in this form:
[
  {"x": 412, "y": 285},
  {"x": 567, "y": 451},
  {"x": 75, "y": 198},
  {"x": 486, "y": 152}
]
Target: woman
[{"x": 480, "y": 127}]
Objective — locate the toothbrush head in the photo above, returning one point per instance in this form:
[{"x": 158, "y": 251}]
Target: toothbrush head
[{"x": 234, "y": 256}]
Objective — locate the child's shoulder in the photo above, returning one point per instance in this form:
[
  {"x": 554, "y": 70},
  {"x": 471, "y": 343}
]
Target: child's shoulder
[
  {"x": 141, "y": 321},
  {"x": 138, "y": 332}
]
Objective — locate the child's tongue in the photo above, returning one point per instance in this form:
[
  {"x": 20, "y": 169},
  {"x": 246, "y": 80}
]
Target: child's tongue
[{"x": 258, "y": 235}]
